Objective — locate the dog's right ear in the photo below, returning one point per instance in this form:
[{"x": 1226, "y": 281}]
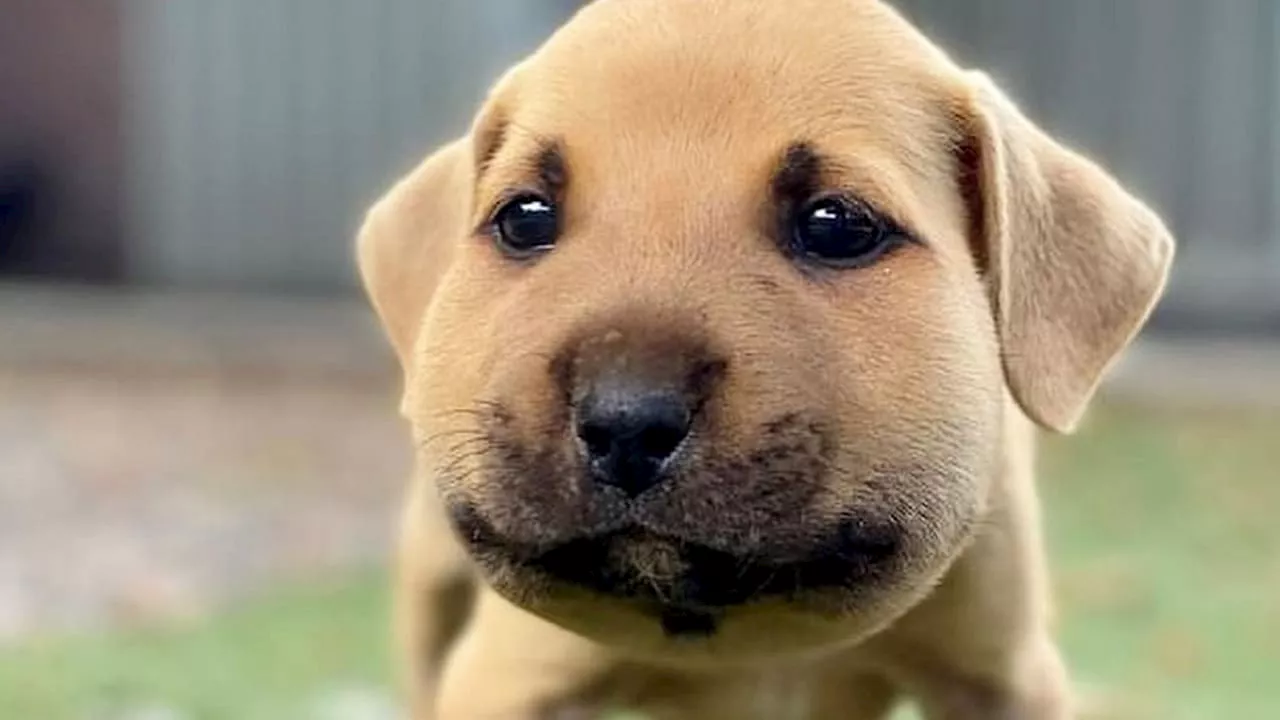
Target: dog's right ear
[
  {"x": 1075, "y": 262},
  {"x": 408, "y": 240}
]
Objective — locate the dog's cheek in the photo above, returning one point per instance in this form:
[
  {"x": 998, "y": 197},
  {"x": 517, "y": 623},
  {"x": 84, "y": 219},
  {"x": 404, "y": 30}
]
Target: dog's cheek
[
  {"x": 921, "y": 427},
  {"x": 491, "y": 404},
  {"x": 446, "y": 399}
]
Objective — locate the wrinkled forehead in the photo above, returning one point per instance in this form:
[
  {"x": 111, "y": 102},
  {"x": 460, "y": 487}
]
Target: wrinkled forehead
[{"x": 661, "y": 94}]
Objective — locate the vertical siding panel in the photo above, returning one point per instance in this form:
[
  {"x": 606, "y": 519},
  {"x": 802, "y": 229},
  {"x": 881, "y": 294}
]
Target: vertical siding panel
[
  {"x": 1166, "y": 94},
  {"x": 1273, "y": 125},
  {"x": 220, "y": 231},
  {"x": 254, "y": 156},
  {"x": 1148, "y": 134},
  {"x": 150, "y": 140},
  {"x": 1188, "y": 46},
  {"x": 316, "y": 28},
  {"x": 263, "y": 129},
  {"x": 1262, "y": 61},
  {"x": 1012, "y": 56},
  {"x": 177, "y": 86},
  {"x": 276, "y": 199},
  {"x": 1221, "y": 206},
  {"x": 1054, "y": 32},
  {"x": 192, "y": 180}
]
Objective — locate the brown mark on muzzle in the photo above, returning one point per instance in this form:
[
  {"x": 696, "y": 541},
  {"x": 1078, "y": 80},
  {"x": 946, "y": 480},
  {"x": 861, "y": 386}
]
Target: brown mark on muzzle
[
  {"x": 722, "y": 511},
  {"x": 728, "y": 529},
  {"x": 672, "y": 577}
]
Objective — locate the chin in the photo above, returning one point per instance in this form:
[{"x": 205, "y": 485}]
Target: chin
[{"x": 672, "y": 599}]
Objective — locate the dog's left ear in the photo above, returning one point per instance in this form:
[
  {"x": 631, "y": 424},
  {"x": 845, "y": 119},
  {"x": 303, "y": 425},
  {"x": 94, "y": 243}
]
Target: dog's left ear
[
  {"x": 1075, "y": 263},
  {"x": 407, "y": 242}
]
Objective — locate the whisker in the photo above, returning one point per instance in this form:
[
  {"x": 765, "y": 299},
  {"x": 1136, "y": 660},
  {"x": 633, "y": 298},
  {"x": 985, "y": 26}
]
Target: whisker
[
  {"x": 482, "y": 412},
  {"x": 451, "y": 462},
  {"x": 745, "y": 563},
  {"x": 470, "y": 473},
  {"x": 456, "y": 432},
  {"x": 457, "y": 461},
  {"x": 768, "y": 580}
]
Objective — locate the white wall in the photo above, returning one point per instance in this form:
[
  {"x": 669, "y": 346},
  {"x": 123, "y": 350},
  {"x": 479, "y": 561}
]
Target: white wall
[
  {"x": 261, "y": 129},
  {"x": 1181, "y": 98}
]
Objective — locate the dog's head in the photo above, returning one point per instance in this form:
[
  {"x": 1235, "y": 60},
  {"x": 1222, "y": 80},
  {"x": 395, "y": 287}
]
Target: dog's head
[{"x": 708, "y": 324}]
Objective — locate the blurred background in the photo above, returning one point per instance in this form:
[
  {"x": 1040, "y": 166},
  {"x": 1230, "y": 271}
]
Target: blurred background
[{"x": 199, "y": 453}]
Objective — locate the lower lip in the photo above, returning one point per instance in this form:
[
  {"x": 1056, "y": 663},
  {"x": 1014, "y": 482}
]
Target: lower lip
[{"x": 688, "y": 624}]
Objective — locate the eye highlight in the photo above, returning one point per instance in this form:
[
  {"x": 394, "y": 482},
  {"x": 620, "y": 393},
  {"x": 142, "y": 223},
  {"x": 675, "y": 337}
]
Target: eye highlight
[
  {"x": 840, "y": 233},
  {"x": 526, "y": 225}
]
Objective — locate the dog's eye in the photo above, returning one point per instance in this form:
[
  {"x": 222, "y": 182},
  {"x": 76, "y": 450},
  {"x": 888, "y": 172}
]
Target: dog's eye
[
  {"x": 833, "y": 231},
  {"x": 526, "y": 225}
]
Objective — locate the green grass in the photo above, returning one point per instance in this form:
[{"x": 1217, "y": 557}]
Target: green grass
[
  {"x": 1167, "y": 561},
  {"x": 266, "y": 661},
  {"x": 1166, "y": 542}
]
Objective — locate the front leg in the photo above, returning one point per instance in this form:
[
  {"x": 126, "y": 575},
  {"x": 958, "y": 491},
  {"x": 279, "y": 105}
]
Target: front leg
[
  {"x": 435, "y": 589},
  {"x": 1034, "y": 689},
  {"x": 853, "y": 697},
  {"x": 511, "y": 665},
  {"x": 979, "y": 648}
]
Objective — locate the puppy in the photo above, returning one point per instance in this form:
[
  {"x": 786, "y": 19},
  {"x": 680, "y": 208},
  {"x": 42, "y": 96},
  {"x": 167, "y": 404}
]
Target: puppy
[{"x": 723, "y": 332}]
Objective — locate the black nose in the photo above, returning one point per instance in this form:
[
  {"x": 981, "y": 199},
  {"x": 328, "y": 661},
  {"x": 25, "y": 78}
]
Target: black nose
[{"x": 629, "y": 433}]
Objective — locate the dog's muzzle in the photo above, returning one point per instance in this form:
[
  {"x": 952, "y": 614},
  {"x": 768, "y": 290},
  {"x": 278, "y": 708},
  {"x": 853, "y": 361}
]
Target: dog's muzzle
[{"x": 686, "y": 582}]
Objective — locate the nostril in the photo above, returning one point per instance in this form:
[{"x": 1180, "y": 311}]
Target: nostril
[
  {"x": 597, "y": 437},
  {"x": 660, "y": 440},
  {"x": 627, "y": 435}
]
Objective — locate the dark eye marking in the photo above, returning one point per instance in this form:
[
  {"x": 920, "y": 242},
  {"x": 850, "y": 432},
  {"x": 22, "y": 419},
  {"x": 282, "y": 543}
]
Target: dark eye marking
[
  {"x": 551, "y": 168},
  {"x": 831, "y": 229},
  {"x": 799, "y": 174},
  {"x": 528, "y": 221}
]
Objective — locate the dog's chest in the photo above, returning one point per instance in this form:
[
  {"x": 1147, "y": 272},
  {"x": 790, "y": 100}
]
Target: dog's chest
[{"x": 763, "y": 695}]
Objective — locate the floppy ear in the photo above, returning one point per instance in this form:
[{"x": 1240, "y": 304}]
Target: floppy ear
[
  {"x": 1075, "y": 263},
  {"x": 408, "y": 238}
]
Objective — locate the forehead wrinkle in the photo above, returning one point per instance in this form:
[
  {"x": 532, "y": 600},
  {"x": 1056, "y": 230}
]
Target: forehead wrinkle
[
  {"x": 659, "y": 118},
  {"x": 841, "y": 139},
  {"x": 527, "y": 159}
]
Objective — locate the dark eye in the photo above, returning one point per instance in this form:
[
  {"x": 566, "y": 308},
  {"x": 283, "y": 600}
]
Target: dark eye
[
  {"x": 526, "y": 225},
  {"x": 836, "y": 232}
]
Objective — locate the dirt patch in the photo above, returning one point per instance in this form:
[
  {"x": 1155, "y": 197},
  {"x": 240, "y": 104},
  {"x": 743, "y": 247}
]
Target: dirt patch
[{"x": 124, "y": 498}]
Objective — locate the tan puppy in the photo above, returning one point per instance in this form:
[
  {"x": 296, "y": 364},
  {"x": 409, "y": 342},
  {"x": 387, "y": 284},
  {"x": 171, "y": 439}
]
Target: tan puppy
[{"x": 720, "y": 334}]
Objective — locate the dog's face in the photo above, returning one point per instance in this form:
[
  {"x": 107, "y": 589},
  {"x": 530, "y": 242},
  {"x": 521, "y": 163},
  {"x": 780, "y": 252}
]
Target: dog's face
[{"x": 708, "y": 325}]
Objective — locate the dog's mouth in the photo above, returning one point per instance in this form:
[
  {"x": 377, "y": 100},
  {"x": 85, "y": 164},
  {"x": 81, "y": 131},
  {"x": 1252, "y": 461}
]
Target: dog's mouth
[
  {"x": 669, "y": 572},
  {"x": 686, "y": 584}
]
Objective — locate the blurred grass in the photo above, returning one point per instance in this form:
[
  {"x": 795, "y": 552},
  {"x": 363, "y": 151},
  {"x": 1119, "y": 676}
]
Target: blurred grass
[
  {"x": 1166, "y": 546},
  {"x": 269, "y": 660}
]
